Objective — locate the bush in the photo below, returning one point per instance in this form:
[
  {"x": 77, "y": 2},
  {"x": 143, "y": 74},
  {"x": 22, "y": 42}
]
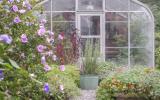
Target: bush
[
  {"x": 137, "y": 82},
  {"x": 70, "y": 77}
]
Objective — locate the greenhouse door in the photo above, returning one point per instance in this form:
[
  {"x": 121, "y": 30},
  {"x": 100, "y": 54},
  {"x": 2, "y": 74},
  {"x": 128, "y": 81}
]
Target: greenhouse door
[{"x": 90, "y": 26}]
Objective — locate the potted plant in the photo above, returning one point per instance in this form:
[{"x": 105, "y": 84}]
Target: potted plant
[{"x": 89, "y": 78}]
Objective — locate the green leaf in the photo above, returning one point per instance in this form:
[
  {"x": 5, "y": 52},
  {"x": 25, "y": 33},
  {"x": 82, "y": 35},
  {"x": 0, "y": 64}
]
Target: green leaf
[
  {"x": 14, "y": 64},
  {"x": 6, "y": 65}
]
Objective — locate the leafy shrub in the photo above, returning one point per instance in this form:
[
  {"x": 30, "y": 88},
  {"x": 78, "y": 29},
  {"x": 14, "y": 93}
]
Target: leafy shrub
[
  {"x": 105, "y": 69},
  {"x": 137, "y": 82},
  {"x": 70, "y": 77}
]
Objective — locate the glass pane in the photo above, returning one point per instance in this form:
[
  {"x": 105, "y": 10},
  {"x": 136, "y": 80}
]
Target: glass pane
[
  {"x": 90, "y": 25},
  {"x": 140, "y": 32},
  {"x": 95, "y": 41},
  {"x": 136, "y": 7},
  {"x": 117, "y": 55},
  {"x": 140, "y": 56},
  {"x": 90, "y": 4},
  {"x": 66, "y": 27},
  {"x": 64, "y": 16},
  {"x": 47, "y": 5},
  {"x": 117, "y": 5},
  {"x": 116, "y": 34},
  {"x": 116, "y": 16},
  {"x": 63, "y": 5}
]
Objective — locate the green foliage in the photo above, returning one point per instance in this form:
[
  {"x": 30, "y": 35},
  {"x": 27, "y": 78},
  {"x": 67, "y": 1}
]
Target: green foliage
[
  {"x": 70, "y": 77},
  {"x": 136, "y": 82},
  {"x": 105, "y": 69},
  {"x": 91, "y": 54},
  {"x": 19, "y": 85}
]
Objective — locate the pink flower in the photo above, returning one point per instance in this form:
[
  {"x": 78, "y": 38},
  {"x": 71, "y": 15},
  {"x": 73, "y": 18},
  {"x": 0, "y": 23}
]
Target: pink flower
[
  {"x": 43, "y": 60},
  {"x": 60, "y": 37},
  {"x": 40, "y": 48},
  {"x": 15, "y": 8},
  {"x": 49, "y": 53},
  {"x": 24, "y": 38},
  {"x": 43, "y": 21},
  {"x": 47, "y": 68},
  {"x": 51, "y": 33},
  {"x": 41, "y": 31},
  {"x": 22, "y": 11},
  {"x": 54, "y": 57},
  {"x": 61, "y": 87},
  {"x": 62, "y": 68}
]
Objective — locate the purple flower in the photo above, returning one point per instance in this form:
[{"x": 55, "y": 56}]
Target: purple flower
[
  {"x": 22, "y": 11},
  {"x": 61, "y": 87},
  {"x": 1, "y": 75},
  {"x": 17, "y": 20},
  {"x": 11, "y": 1},
  {"x": 6, "y": 38},
  {"x": 40, "y": 48},
  {"x": 27, "y": 4},
  {"x": 62, "y": 68},
  {"x": 43, "y": 21},
  {"x": 15, "y": 8},
  {"x": 46, "y": 88},
  {"x": 41, "y": 31},
  {"x": 43, "y": 60},
  {"x": 24, "y": 38},
  {"x": 47, "y": 67}
]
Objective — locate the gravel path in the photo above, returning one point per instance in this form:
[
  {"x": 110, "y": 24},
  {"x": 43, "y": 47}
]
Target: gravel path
[{"x": 86, "y": 95}]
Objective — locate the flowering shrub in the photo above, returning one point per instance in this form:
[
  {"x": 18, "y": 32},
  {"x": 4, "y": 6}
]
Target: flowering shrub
[
  {"x": 26, "y": 52},
  {"x": 136, "y": 82}
]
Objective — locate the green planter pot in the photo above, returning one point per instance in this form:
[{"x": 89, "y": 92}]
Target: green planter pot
[{"x": 88, "y": 82}]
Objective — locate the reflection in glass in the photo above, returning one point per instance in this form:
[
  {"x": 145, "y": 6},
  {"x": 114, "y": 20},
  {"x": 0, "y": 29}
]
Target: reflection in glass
[
  {"x": 63, "y": 16},
  {"x": 116, "y": 34},
  {"x": 47, "y": 5},
  {"x": 90, "y": 25},
  {"x": 141, "y": 57},
  {"x": 117, "y": 5},
  {"x": 66, "y": 27},
  {"x": 116, "y": 16},
  {"x": 139, "y": 30},
  {"x": 63, "y": 5},
  {"x": 90, "y": 4},
  {"x": 117, "y": 55},
  {"x": 95, "y": 41}
]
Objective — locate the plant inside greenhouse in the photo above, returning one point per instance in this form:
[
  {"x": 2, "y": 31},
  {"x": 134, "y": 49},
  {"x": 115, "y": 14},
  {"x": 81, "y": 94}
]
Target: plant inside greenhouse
[{"x": 79, "y": 50}]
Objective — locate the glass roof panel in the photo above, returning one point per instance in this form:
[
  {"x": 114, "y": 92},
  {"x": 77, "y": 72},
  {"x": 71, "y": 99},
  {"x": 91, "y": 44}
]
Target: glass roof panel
[
  {"x": 90, "y": 4},
  {"x": 117, "y": 5},
  {"x": 63, "y": 5}
]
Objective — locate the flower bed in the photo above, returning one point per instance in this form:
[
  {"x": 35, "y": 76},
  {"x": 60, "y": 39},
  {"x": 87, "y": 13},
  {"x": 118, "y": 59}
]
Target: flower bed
[{"x": 132, "y": 83}]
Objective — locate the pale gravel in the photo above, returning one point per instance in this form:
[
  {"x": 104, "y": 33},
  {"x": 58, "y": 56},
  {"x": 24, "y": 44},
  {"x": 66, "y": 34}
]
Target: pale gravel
[{"x": 86, "y": 95}]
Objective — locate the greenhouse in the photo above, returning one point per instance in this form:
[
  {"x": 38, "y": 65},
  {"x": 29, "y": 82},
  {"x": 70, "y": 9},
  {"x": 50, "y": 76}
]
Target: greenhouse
[
  {"x": 79, "y": 49},
  {"x": 124, "y": 30}
]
